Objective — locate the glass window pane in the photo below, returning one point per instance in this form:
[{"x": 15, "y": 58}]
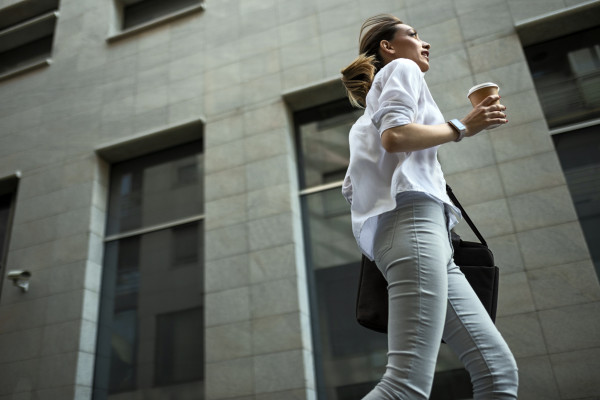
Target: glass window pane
[
  {"x": 5, "y": 204},
  {"x": 144, "y": 11},
  {"x": 179, "y": 347},
  {"x": 566, "y": 72},
  {"x": 323, "y": 143},
  {"x": 579, "y": 154},
  {"x": 156, "y": 189},
  {"x": 327, "y": 219}
]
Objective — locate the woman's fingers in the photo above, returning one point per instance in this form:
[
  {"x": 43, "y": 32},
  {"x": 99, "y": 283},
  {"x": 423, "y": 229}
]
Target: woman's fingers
[
  {"x": 489, "y": 100},
  {"x": 496, "y": 114}
]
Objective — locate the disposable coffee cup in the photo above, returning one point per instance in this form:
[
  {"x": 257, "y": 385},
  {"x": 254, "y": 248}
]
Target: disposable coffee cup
[{"x": 479, "y": 92}]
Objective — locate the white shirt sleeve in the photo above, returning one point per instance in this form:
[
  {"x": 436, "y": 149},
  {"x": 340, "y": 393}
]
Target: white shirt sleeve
[{"x": 399, "y": 95}]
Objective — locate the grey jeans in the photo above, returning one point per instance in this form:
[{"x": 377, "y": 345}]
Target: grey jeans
[{"x": 430, "y": 299}]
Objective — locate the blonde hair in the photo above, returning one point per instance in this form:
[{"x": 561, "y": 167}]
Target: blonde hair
[{"x": 358, "y": 76}]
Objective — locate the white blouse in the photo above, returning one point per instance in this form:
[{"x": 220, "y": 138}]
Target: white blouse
[{"x": 398, "y": 96}]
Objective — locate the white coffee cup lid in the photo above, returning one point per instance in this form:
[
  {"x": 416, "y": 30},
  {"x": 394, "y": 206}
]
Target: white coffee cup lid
[{"x": 481, "y": 85}]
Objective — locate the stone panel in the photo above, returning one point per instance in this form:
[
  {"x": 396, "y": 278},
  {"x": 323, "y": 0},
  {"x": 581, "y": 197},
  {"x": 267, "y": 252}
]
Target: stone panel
[
  {"x": 542, "y": 208},
  {"x": 224, "y": 130},
  {"x": 225, "y": 183},
  {"x": 270, "y": 231},
  {"x": 571, "y": 328},
  {"x": 470, "y": 154},
  {"x": 273, "y": 263},
  {"x": 263, "y": 64},
  {"x": 269, "y": 201},
  {"x": 511, "y": 78},
  {"x": 21, "y": 345},
  {"x": 476, "y": 23},
  {"x": 553, "y": 245},
  {"x": 523, "y": 334},
  {"x": 496, "y": 53},
  {"x": 448, "y": 67},
  {"x": 227, "y": 241},
  {"x": 276, "y": 333},
  {"x": 476, "y": 186},
  {"x": 536, "y": 379},
  {"x": 420, "y": 14},
  {"x": 338, "y": 17},
  {"x": 279, "y": 371},
  {"x": 577, "y": 373},
  {"x": 56, "y": 370},
  {"x": 229, "y": 378},
  {"x": 514, "y": 295},
  {"x": 531, "y": 173},
  {"x": 507, "y": 253},
  {"x": 226, "y": 273},
  {"x": 521, "y": 10},
  {"x": 267, "y": 172},
  {"x": 577, "y": 283},
  {"x": 228, "y": 342},
  {"x": 491, "y": 218},
  {"x": 226, "y": 211},
  {"x": 227, "y": 306},
  {"x": 19, "y": 378},
  {"x": 274, "y": 297},
  {"x": 445, "y": 37}
]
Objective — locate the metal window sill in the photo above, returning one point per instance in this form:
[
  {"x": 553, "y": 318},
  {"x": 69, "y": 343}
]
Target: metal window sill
[
  {"x": 26, "y": 68},
  {"x": 159, "y": 21}
]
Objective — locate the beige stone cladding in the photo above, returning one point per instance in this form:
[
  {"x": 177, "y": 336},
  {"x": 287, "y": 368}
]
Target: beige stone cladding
[{"x": 229, "y": 65}]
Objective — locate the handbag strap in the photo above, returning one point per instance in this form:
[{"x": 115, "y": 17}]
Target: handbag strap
[{"x": 465, "y": 215}]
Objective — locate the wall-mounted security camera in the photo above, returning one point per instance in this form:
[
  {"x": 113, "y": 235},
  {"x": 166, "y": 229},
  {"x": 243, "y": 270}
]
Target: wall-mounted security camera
[{"x": 20, "y": 278}]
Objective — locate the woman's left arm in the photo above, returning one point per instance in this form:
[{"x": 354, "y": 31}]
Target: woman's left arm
[{"x": 413, "y": 137}]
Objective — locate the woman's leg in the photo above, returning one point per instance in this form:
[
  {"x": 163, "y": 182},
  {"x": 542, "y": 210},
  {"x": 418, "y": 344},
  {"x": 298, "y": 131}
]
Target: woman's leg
[
  {"x": 413, "y": 252},
  {"x": 470, "y": 332}
]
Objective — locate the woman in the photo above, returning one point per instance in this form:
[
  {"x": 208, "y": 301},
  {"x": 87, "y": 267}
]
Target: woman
[{"x": 402, "y": 216}]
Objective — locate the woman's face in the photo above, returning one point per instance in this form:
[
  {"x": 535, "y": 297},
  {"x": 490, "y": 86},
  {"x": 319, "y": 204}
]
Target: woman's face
[{"x": 407, "y": 44}]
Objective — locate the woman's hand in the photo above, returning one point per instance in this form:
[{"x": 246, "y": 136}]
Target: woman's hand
[{"x": 484, "y": 115}]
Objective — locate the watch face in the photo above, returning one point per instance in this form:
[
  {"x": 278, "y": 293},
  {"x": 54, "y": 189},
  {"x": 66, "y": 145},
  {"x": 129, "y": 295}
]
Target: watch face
[{"x": 458, "y": 124}]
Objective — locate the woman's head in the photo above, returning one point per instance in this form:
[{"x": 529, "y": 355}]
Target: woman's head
[{"x": 383, "y": 38}]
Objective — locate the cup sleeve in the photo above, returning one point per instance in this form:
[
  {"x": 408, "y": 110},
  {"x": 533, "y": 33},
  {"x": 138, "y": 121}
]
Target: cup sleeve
[{"x": 399, "y": 95}]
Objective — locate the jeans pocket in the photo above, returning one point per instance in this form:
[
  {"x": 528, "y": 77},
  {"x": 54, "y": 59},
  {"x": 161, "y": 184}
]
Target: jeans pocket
[{"x": 384, "y": 236}]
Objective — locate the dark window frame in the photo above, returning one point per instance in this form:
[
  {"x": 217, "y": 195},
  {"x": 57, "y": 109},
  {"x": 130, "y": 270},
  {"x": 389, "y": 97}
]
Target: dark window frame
[
  {"x": 8, "y": 195},
  {"x": 108, "y": 301}
]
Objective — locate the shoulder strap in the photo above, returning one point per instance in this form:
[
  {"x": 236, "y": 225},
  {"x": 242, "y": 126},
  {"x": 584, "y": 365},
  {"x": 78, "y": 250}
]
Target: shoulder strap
[{"x": 465, "y": 215}]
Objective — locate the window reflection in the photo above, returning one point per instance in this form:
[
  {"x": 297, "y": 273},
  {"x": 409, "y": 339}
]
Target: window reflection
[
  {"x": 154, "y": 190},
  {"x": 349, "y": 359},
  {"x": 150, "y": 336},
  {"x": 566, "y": 72}
]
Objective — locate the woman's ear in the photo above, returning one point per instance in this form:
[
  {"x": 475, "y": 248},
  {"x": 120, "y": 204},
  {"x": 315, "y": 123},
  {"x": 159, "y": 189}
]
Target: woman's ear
[{"x": 386, "y": 47}]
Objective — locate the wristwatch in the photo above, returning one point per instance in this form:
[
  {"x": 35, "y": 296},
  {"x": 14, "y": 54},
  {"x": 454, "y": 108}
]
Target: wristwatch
[{"x": 459, "y": 128}]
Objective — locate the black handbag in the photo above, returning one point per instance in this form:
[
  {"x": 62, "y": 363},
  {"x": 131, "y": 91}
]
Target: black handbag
[{"x": 475, "y": 260}]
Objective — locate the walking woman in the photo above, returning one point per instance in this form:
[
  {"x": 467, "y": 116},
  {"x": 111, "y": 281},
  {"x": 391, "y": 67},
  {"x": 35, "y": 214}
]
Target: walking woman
[{"x": 401, "y": 216}]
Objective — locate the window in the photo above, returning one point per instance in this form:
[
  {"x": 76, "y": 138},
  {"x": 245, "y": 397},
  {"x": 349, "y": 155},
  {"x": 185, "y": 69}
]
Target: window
[
  {"x": 150, "y": 335},
  {"x": 8, "y": 190},
  {"x": 579, "y": 154},
  {"x": 26, "y": 35},
  {"x": 136, "y": 15},
  {"x": 563, "y": 53},
  {"x": 566, "y": 73},
  {"x": 349, "y": 359}
]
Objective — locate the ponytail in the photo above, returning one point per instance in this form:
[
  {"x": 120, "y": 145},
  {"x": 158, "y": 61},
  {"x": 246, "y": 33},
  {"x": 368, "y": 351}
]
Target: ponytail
[
  {"x": 358, "y": 76},
  {"x": 357, "y": 79}
]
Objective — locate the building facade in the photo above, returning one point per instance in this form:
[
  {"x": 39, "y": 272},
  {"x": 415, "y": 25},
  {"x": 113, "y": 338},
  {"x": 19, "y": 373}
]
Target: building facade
[{"x": 170, "y": 178}]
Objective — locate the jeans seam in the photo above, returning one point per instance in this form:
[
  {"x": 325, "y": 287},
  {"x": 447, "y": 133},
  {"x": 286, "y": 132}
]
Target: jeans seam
[
  {"x": 477, "y": 345},
  {"x": 420, "y": 312}
]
